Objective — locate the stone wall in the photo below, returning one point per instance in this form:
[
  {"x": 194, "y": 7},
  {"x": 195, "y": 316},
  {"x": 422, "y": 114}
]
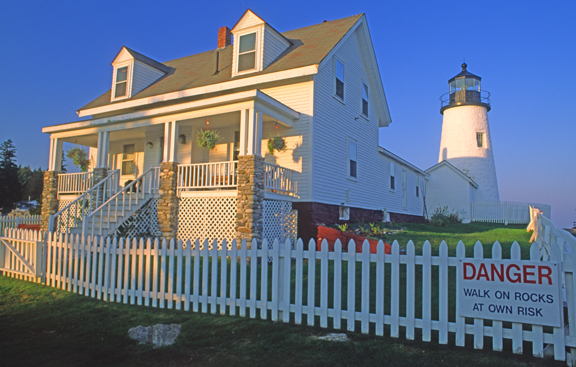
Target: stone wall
[
  {"x": 49, "y": 198},
  {"x": 250, "y": 203},
  {"x": 168, "y": 200}
]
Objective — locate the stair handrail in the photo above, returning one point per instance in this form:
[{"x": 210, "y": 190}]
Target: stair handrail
[
  {"x": 76, "y": 210},
  {"x": 143, "y": 185}
]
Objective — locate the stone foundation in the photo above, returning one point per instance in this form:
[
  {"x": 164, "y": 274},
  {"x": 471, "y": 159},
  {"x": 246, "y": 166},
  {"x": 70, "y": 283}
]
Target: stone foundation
[
  {"x": 406, "y": 218},
  {"x": 49, "y": 198},
  {"x": 168, "y": 200},
  {"x": 250, "y": 203}
]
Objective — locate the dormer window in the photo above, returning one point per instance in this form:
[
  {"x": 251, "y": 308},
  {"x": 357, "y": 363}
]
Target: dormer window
[
  {"x": 121, "y": 82},
  {"x": 247, "y": 52}
]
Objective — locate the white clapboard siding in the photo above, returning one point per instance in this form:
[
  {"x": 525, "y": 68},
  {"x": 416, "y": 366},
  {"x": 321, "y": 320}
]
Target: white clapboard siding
[{"x": 176, "y": 275}]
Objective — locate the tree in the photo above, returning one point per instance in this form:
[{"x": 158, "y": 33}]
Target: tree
[
  {"x": 10, "y": 187},
  {"x": 32, "y": 182}
]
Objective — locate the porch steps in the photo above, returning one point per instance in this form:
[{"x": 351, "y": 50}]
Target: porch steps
[{"x": 107, "y": 222}]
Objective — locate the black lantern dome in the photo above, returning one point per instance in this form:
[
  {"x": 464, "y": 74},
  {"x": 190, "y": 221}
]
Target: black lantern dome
[{"x": 465, "y": 89}]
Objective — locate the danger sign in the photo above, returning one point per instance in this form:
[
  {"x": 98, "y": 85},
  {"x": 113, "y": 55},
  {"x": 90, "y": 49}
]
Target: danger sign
[{"x": 507, "y": 290}]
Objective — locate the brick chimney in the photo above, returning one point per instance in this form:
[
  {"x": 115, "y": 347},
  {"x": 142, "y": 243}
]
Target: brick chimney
[{"x": 224, "y": 37}]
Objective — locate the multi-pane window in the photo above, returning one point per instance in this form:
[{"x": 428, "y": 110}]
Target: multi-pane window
[
  {"x": 364, "y": 99},
  {"x": 128, "y": 159},
  {"x": 247, "y": 52},
  {"x": 392, "y": 177},
  {"x": 121, "y": 82},
  {"x": 352, "y": 154},
  {"x": 339, "y": 79},
  {"x": 480, "y": 140}
]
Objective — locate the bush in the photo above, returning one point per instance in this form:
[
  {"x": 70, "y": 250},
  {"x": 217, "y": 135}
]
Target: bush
[{"x": 442, "y": 216}]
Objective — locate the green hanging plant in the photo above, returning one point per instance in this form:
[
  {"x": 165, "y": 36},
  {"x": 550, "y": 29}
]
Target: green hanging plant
[
  {"x": 276, "y": 143},
  {"x": 207, "y": 139},
  {"x": 79, "y": 158}
]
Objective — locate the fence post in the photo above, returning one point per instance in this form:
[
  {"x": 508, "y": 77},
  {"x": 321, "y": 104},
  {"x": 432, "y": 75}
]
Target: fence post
[
  {"x": 280, "y": 290},
  {"x": 506, "y": 213}
]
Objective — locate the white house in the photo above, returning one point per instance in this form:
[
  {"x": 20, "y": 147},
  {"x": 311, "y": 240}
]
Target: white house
[{"x": 318, "y": 87}]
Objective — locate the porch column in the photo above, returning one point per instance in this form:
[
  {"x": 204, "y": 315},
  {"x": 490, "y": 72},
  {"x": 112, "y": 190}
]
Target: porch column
[
  {"x": 250, "y": 200},
  {"x": 100, "y": 171},
  {"x": 168, "y": 199},
  {"x": 254, "y": 141},
  {"x": 50, "y": 189}
]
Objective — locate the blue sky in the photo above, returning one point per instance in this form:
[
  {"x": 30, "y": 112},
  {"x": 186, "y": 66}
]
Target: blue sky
[{"x": 57, "y": 55}]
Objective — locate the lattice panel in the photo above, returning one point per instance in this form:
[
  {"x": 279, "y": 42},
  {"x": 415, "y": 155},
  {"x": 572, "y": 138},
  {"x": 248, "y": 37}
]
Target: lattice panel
[
  {"x": 207, "y": 218},
  {"x": 280, "y": 221},
  {"x": 142, "y": 224},
  {"x": 67, "y": 220}
]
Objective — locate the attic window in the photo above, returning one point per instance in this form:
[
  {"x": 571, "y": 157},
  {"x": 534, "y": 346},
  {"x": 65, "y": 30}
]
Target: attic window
[
  {"x": 121, "y": 82},
  {"x": 247, "y": 52},
  {"x": 364, "y": 99},
  {"x": 339, "y": 79}
]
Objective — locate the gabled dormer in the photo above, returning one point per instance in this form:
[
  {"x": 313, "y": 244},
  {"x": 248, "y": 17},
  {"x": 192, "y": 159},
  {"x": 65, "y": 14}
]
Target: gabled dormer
[
  {"x": 133, "y": 72},
  {"x": 256, "y": 44}
]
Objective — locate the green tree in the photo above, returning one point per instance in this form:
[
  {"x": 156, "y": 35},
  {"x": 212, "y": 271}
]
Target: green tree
[
  {"x": 32, "y": 182},
  {"x": 10, "y": 187}
]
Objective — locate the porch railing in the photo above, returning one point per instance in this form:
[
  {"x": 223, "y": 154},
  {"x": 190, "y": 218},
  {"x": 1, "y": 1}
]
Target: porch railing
[
  {"x": 278, "y": 179},
  {"x": 72, "y": 214},
  {"x": 75, "y": 183},
  {"x": 129, "y": 199},
  {"x": 217, "y": 175}
]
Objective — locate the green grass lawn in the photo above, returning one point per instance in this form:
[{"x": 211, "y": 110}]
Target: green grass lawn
[{"x": 43, "y": 326}]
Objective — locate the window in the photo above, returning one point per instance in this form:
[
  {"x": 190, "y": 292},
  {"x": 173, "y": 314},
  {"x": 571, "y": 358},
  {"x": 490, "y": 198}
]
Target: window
[
  {"x": 392, "y": 177},
  {"x": 364, "y": 99},
  {"x": 121, "y": 82},
  {"x": 480, "y": 140},
  {"x": 417, "y": 191},
  {"x": 352, "y": 159},
  {"x": 128, "y": 159},
  {"x": 247, "y": 52},
  {"x": 236, "y": 151},
  {"x": 339, "y": 79},
  {"x": 344, "y": 212}
]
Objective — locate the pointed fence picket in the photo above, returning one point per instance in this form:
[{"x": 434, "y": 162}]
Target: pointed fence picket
[{"x": 362, "y": 289}]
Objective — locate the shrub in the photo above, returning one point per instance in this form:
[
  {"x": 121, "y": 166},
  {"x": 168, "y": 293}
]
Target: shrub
[{"x": 442, "y": 216}]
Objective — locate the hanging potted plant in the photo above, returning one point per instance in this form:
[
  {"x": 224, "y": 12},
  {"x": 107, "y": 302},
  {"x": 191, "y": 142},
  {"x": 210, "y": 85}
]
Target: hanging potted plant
[
  {"x": 79, "y": 158},
  {"x": 276, "y": 143},
  {"x": 207, "y": 139}
]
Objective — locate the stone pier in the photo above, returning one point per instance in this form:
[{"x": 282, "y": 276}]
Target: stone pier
[
  {"x": 168, "y": 200},
  {"x": 49, "y": 198},
  {"x": 250, "y": 202}
]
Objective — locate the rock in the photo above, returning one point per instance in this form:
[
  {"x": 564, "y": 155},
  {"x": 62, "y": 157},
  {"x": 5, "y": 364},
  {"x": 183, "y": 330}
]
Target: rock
[
  {"x": 334, "y": 337},
  {"x": 159, "y": 334}
]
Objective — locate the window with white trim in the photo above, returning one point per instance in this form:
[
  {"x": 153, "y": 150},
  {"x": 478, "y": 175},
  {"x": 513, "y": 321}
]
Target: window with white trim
[
  {"x": 247, "y": 52},
  {"x": 364, "y": 99},
  {"x": 344, "y": 212},
  {"x": 339, "y": 80},
  {"x": 121, "y": 86},
  {"x": 128, "y": 159},
  {"x": 352, "y": 159},
  {"x": 392, "y": 177}
]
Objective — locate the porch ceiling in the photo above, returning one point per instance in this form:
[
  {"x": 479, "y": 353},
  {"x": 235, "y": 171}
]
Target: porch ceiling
[{"x": 272, "y": 110}]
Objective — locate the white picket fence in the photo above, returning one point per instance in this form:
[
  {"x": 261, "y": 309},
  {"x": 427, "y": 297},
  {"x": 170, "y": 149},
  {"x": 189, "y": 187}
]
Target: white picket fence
[
  {"x": 507, "y": 212},
  {"x": 12, "y": 221},
  {"x": 22, "y": 254}
]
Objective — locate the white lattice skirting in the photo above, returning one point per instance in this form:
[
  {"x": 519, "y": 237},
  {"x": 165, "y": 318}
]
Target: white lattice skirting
[
  {"x": 280, "y": 221},
  {"x": 207, "y": 218},
  {"x": 142, "y": 224}
]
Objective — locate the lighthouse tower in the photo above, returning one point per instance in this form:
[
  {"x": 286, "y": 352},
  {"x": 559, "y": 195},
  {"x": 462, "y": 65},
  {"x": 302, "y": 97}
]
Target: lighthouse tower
[{"x": 466, "y": 142}]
